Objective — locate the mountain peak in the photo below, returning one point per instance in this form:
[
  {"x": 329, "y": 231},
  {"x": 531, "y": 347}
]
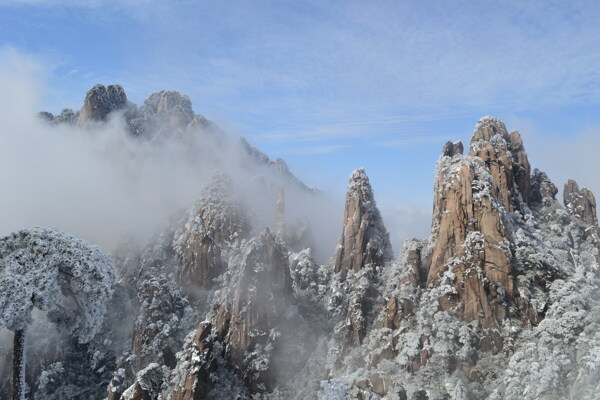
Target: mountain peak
[
  {"x": 580, "y": 202},
  {"x": 364, "y": 239},
  {"x": 100, "y": 101}
]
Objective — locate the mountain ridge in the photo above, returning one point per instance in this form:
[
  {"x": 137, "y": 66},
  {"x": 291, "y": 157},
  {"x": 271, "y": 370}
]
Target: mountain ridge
[{"x": 502, "y": 299}]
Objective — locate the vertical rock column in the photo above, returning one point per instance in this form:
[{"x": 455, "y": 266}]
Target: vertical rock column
[
  {"x": 364, "y": 241},
  {"x": 580, "y": 203},
  {"x": 280, "y": 214},
  {"x": 469, "y": 236}
]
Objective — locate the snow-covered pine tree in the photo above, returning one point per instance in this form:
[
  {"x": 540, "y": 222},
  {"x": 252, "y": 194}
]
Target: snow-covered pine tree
[{"x": 69, "y": 278}]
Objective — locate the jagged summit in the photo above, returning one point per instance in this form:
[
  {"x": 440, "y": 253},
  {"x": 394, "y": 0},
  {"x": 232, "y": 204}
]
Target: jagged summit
[
  {"x": 453, "y": 149},
  {"x": 467, "y": 215},
  {"x": 364, "y": 239},
  {"x": 506, "y": 159},
  {"x": 100, "y": 101},
  {"x": 168, "y": 115},
  {"x": 169, "y": 101},
  {"x": 543, "y": 191},
  {"x": 580, "y": 203}
]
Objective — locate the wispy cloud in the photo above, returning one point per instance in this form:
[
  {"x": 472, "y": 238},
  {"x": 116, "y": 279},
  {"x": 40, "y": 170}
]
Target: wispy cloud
[{"x": 316, "y": 71}]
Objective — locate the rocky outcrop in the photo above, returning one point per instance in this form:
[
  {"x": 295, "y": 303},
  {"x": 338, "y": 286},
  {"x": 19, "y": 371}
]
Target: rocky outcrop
[
  {"x": 165, "y": 114},
  {"x": 203, "y": 361},
  {"x": 521, "y": 167},
  {"x": 505, "y": 158},
  {"x": 452, "y": 149},
  {"x": 247, "y": 323},
  {"x": 279, "y": 225},
  {"x": 580, "y": 203},
  {"x": 100, "y": 101},
  {"x": 147, "y": 384},
  {"x": 365, "y": 241},
  {"x": 216, "y": 222},
  {"x": 470, "y": 242},
  {"x": 297, "y": 235},
  {"x": 279, "y": 167},
  {"x": 161, "y": 307},
  {"x": 261, "y": 297},
  {"x": 170, "y": 106},
  {"x": 543, "y": 191}
]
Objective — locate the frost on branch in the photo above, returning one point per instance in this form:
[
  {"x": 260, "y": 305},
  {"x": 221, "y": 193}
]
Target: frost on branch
[{"x": 52, "y": 271}]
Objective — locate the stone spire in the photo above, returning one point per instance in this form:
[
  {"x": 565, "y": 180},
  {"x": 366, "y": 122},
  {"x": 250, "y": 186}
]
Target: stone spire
[
  {"x": 580, "y": 203},
  {"x": 364, "y": 241},
  {"x": 469, "y": 236},
  {"x": 280, "y": 214},
  {"x": 543, "y": 191},
  {"x": 505, "y": 158}
]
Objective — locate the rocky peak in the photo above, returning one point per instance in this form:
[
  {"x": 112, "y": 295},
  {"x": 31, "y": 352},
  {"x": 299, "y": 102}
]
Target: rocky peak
[
  {"x": 580, "y": 202},
  {"x": 453, "y": 149},
  {"x": 262, "y": 294},
  {"x": 215, "y": 223},
  {"x": 506, "y": 159},
  {"x": 279, "y": 166},
  {"x": 543, "y": 191},
  {"x": 203, "y": 362},
  {"x": 170, "y": 104},
  {"x": 100, "y": 101},
  {"x": 364, "y": 241},
  {"x": 470, "y": 248},
  {"x": 521, "y": 167}
]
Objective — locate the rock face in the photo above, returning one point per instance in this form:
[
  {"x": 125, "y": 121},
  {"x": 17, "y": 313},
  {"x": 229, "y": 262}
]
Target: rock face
[
  {"x": 169, "y": 106},
  {"x": 152, "y": 336},
  {"x": 203, "y": 358},
  {"x": 364, "y": 241},
  {"x": 543, "y": 191},
  {"x": 100, "y": 101},
  {"x": 245, "y": 328},
  {"x": 261, "y": 297},
  {"x": 147, "y": 384},
  {"x": 580, "y": 203},
  {"x": 505, "y": 158},
  {"x": 216, "y": 222},
  {"x": 521, "y": 167},
  {"x": 452, "y": 148},
  {"x": 470, "y": 245},
  {"x": 279, "y": 225}
]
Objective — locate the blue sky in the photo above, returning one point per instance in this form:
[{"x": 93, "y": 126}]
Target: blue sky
[{"x": 335, "y": 85}]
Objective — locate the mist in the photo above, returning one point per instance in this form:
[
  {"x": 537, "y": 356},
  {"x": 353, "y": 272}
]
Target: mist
[{"x": 103, "y": 184}]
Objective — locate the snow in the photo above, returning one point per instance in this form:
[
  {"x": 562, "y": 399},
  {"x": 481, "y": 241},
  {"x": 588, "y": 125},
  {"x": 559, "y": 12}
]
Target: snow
[{"x": 44, "y": 268}]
